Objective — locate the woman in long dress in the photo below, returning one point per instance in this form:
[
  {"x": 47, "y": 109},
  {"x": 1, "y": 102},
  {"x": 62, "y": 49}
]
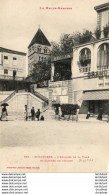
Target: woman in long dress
[{"x": 4, "y": 114}]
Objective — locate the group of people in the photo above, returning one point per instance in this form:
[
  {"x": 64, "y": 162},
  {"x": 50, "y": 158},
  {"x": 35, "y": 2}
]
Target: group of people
[
  {"x": 36, "y": 115},
  {"x": 99, "y": 117},
  {"x": 59, "y": 113}
]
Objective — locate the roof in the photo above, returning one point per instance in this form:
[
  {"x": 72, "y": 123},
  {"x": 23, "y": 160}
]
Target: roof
[
  {"x": 102, "y": 6},
  {"x": 96, "y": 95},
  {"x": 11, "y": 51},
  {"x": 39, "y": 38}
]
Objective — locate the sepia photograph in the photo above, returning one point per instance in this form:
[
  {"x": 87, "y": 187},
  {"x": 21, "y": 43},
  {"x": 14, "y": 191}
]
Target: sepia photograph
[{"x": 54, "y": 86}]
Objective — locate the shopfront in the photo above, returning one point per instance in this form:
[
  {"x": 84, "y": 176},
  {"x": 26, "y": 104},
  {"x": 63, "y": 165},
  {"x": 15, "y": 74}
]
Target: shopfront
[{"x": 97, "y": 101}]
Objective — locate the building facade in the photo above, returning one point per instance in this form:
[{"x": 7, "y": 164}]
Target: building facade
[
  {"x": 89, "y": 83},
  {"x": 38, "y": 50},
  {"x": 13, "y": 68},
  {"x": 12, "y": 63}
]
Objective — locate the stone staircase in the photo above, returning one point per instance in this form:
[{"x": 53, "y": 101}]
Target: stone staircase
[
  {"x": 49, "y": 114},
  {"x": 5, "y": 98}
]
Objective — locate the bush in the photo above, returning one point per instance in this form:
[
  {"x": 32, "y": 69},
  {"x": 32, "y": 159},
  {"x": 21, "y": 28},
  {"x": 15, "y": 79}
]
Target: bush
[
  {"x": 106, "y": 31},
  {"x": 98, "y": 33},
  {"x": 56, "y": 105},
  {"x": 69, "y": 109}
]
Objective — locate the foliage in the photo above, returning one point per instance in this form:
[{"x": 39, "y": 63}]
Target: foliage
[
  {"x": 62, "y": 76},
  {"x": 97, "y": 33},
  {"x": 106, "y": 31},
  {"x": 41, "y": 71},
  {"x": 69, "y": 109},
  {"x": 56, "y": 105},
  {"x": 85, "y": 37},
  {"x": 67, "y": 41},
  {"x": 55, "y": 49}
]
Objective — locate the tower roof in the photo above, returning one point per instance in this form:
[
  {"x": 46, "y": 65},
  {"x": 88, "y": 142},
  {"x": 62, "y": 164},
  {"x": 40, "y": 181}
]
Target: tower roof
[{"x": 39, "y": 38}]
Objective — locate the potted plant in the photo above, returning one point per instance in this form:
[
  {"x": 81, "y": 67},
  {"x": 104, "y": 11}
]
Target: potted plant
[
  {"x": 106, "y": 31},
  {"x": 98, "y": 33}
]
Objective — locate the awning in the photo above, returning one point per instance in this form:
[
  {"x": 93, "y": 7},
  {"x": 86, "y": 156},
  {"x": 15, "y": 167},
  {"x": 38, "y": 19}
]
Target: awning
[{"x": 96, "y": 95}]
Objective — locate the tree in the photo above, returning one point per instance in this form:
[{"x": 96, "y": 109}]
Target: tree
[
  {"x": 41, "y": 71},
  {"x": 68, "y": 41},
  {"x": 55, "y": 49}
]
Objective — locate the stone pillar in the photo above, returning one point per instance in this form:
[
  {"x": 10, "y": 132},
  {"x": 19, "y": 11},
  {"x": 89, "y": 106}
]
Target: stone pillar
[
  {"x": 70, "y": 92},
  {"x": 50, "y": 98},
  {"x": 52, "y": 71},
  {"x": 71, "y": 68}
]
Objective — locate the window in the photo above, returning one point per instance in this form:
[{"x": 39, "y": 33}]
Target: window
[
  {"x": 39, "y": 58},
  {"x": 101, "y": 84},
  {"x": 101, "y": 78},
  {"x": 14, "y": 58},
  {"x": 106, "y": 84},
  {"x": 42, "y": 58},
  {"x": 107, "y": 77},
  {"x": 103, "y": 57},
  {"x": 5, "y": 71},
  {"x": 85, "y": 60},
  {"x": 39, "y": 49},
  {"x": 6, "y": 57},
  {"x": 45, "y": 50}
]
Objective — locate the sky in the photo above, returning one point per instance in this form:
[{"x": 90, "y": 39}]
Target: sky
[{"x": 20, "y": 20}]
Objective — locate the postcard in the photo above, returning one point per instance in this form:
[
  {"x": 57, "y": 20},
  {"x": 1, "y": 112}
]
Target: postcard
[{"x": 54, "y": 86}]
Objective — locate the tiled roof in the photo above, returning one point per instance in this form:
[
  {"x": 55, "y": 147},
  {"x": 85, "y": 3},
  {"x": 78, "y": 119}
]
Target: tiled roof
[
  {"x": 11, "y": 51},
  {"x": 96, "y": 95},
  {"x": 39, "y": 38}
]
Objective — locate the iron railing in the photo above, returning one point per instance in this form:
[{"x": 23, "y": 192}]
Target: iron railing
[
  {"x": 103, "y": 67},
  {"x": 7, "y": 77}
]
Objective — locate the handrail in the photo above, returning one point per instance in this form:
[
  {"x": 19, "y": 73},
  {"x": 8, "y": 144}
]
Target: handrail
[
  {"x": 8, "y": 98},
  {"x": 45, "y": 108},
  {"x": 40, "y": 96}
]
